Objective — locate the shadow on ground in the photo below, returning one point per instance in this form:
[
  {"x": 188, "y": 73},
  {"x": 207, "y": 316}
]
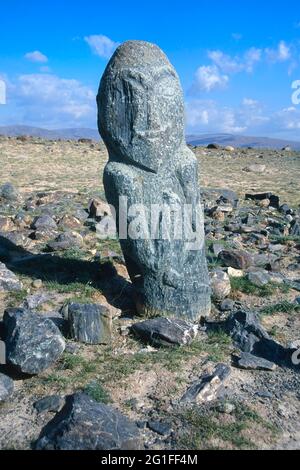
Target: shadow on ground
[{"x": 51, "y": 268}]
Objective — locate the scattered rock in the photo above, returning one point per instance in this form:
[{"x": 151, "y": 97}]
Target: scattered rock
[
  {"x": 89, "y": 323},
  {"x": 9, "y": 192},
  {"x": 43, "y": 235},
  {"x": 85, "y": 141},
  {"x": 226, "y": 408},
  {"x": 52, "y": 404},
  {"x": 6, "y": 388},
  {"x": 165, "y": 331},
  {"x": 33, "y": 343},
  {"x": 213, "y": 146},
  {"x": 248, "y": 361},
  {"x": 229, "y": 148},
  {"x": 237, "y": 259},
  {"x": 264, "y": 203},
  {"x": 164, "y": 429},
  {"x": 295, "y": 229},
  {"x": 227, "y": 305},
  {"x": 216, "y": 248},
  {"x": 98, "y": 209},
  {"x": 8, "y": 280},
  {"x": 256, "y": 168},
  {"x": 220, "y": 285},
  {"x": 259, "y": 278},
  {"x": 37, "y": 283},
  {"x": 249, "y": 336},
  {"x": 6, "y": 224},
  {"x": 207, "y": 388},
  {"x": 84, "y": 424},
  {"x": 213, "y": 196},
  {"x": 237, "y": 273},
  {"x": 66, "y": 241},
  {"x": 274, "y": 200},
  {"x": 285, "y": 209},
  {"x": 263, "y": 394},
  {"x": 69, "y": 222},
  {"x": 44, "y": 222},
  {"x": 34, "y": 301}
]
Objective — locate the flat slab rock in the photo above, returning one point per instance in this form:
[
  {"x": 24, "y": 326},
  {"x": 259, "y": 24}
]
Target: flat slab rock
[
  {"x": 251, "y": 362},
  {"x": 8, "y": 280},
  {"x": 206, "y": 389},
  {"x": 84, "y": 424},
  {"x": 6, "y": 388},
  {"x": 33, "y": 343},
  {"x": 165, "y": 331}
]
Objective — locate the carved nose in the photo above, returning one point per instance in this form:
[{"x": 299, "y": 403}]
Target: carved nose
[{"x": 153, "y": 116}]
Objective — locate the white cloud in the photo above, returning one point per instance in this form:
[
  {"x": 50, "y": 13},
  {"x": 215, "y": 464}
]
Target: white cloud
[
  {"x": 101, "y": 45},
  {"x": 225, "y": 62},
  {"x": 282, "y": 53},
  {"x": 206, "y": 116},
  {"x": 251, "y": 117},
  {"x": 36, "y": 56},
  {"x": 249, "y": 102},
  {"x": 229, "y": 64},
  {"x": 289, "y": 118},
  {"x": 209, "y": 78},
  {"x": 252, "y": 57},
  {"x": 48, "y": 100}
]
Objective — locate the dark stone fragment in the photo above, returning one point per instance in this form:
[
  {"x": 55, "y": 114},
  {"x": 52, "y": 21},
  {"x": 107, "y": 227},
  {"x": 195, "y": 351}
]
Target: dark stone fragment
[
  {"x": 33, "y": 343},
  {"x": 165, "y": 332},
  {"x": 89, "y": 323},
  {"x": 164, "y": 429},
  {"x": 6, "y": 388},
  {"x": 84, "y": 424},
  {"x": 248, "y": 361},
  {"x": 52, "y": 404},
  {"x": 274, "y": 200},
  {"x": 237, "y": 259},
  {"x": 207, "y": 388}
]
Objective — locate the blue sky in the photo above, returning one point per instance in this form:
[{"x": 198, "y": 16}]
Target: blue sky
[{"x": 236, "y": 60}]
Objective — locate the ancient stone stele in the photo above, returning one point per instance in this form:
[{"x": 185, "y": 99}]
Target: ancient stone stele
[{"x": 151, "y": 179}]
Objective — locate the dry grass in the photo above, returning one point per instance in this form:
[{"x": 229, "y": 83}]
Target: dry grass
[{"x": 41, "y": 165}]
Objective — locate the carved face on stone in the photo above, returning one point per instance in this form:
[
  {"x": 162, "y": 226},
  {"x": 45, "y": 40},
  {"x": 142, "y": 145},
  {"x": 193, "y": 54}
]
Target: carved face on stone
[{"x": 140, "y": 106}]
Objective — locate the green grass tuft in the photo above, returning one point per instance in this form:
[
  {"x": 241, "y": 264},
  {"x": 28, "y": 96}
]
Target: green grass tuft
[
  {"x": 96, "y": 391},
  {"x": 282, "y": 307},
  {"x": 247, "y": 287}
]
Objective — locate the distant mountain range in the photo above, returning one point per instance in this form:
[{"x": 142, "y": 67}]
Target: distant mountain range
[
  {"x": 241, "y": 141},
  {"x": 200, "y": 140},
  {"x": 64, "y": 134}
]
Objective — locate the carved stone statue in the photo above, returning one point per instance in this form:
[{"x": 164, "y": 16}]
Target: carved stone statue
[{"x": 141, "y": 120}]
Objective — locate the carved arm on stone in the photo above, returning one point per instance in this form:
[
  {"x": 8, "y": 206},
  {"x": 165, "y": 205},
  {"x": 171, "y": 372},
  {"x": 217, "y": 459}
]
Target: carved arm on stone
[{"x": 129, "y": 184}]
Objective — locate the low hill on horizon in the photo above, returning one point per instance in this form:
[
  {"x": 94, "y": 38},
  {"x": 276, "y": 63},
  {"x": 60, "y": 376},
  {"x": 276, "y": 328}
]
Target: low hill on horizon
[
  {"x": 238, "y": 141},
  {"x": 241, "y": 141}
]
